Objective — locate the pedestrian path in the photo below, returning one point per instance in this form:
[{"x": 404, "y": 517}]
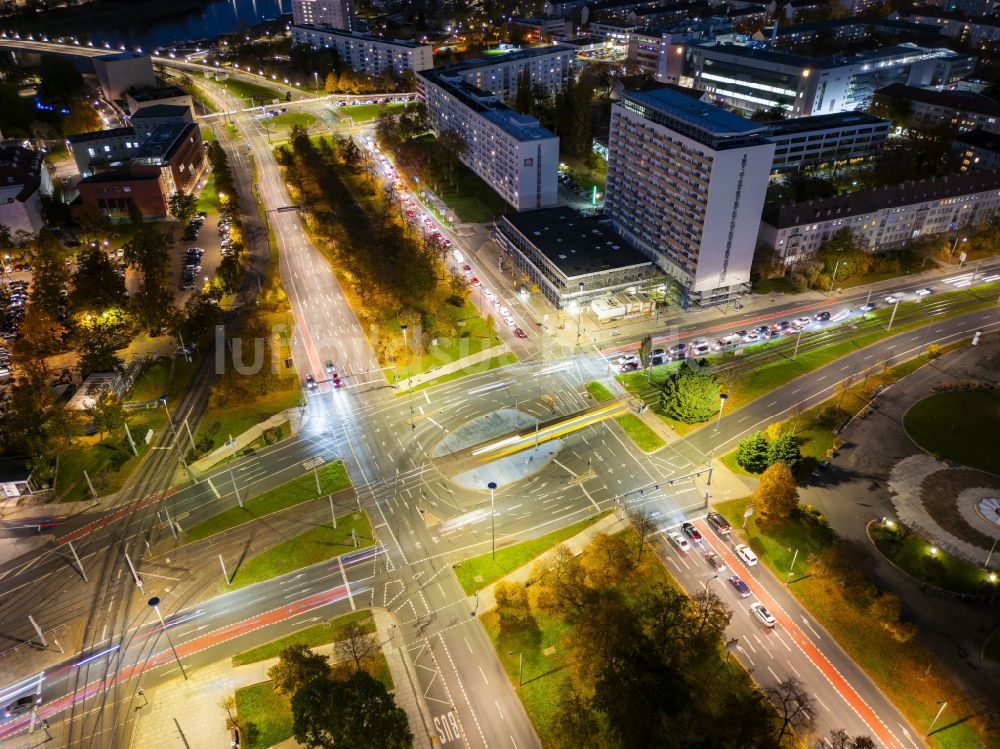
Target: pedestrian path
[
  {"x": 414, "y": 381},
  {"x": 292, "y": 415}
]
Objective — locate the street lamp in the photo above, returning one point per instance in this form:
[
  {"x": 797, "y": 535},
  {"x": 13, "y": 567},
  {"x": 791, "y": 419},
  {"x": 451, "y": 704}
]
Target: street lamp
[
  {"x": 706, "y": 582},
  {"x": 833, "y": 278},
  {"x": 154, "y": 602},
  {"x": 954, "y": 246},
  {"x": 409, "y": 381},
  {"x": 722, "y": 404},
  {"x": 943, "y": 704},
  {"x": 493, "y": 525},
  {"x": 579, "y": 314}
]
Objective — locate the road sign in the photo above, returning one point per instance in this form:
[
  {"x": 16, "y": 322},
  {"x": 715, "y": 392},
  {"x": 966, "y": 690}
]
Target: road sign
[{"x": 748, "y": 511}]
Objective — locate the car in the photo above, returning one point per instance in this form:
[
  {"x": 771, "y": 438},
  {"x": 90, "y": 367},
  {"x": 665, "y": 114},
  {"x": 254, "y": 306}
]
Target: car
[
  {"x": 466, "y": 269},
  {"x": 892, "y": 299},
  {"x": 330, "y": 369},
  {"x": 691, "y": 532},
  {"x": 716, "y": 561},
  {"x": 409, "y": 214},
  {"x": 459, "y": 258},
  {"x": 745, "y": 553},
  {"x": 821, "y": 316},
  {"x": 680, "y": 348},
  {"x": 719, "y": 523},
  {"x": 924, "y": 291},
  {"x": 337, "y": 382},
  {"x": 867, "y": 307},
  {"x": 184, "y": 350},
  {"x": 783, "y": 325},
  {"x": 679, "y": 541},
  {"x": 741, "y": 587},
  {"x": 475, "y": 281},
  {"x": 311, "y": 382},
  {"x": 762, "y": 614},
  {"x": 504, "y": 312},
  {"x": 763, "y": 331},
  {"x": 447, "y": 242},
  {"x": 801, "y": 322},
  {"x": 497, "y": 302},
  {"x": 487, "y": 293},
  {"x": 510, "y": 322},
  {"x": 750, "y": 337},
  {"x": 22, "y": 705},
  {"x": 628, "y": 359},
  {"x": 628, "y": 367},
  {"x": 520, "y": 333}
]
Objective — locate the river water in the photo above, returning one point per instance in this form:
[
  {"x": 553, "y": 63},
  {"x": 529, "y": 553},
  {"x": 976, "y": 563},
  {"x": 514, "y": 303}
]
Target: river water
[{"x": 207, "y": 22}]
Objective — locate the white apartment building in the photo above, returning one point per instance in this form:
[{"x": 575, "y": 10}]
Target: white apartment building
[
  {"x": 365, "y": 53},
  {"x": 963, "y": 111},
  {"x": 511, "y": 152},
  {"x": 761, "y": 79},
  {"x": 686, "y": 184},
  {"x": 338, "y": 14},
  {"x": 548, "y": 67},
  {"x": 826, "y": 139},
  {"x": 884, "y": 218}
]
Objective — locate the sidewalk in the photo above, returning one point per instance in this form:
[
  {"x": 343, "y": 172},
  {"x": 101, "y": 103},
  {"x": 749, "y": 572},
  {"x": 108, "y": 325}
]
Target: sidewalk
[
  {"x": 610, "y": 524},
  {"x": 406, "y": 383},
  {"x": 404, "y": 678},
  {"x": 292, "y": 415}
]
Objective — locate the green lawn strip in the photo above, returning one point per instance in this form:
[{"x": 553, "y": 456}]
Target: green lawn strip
[
  {"x": 474, "y": 334},
  {"x": 332, "y": 478},
  {"x": 275, "y": 434},
  {"x": 509, "y": 558},
  {"x": 991, "y": 650},
  {"x": 269, "y": 711},
  {"x": 369, "y": 112},
  {"x": 599, "y": 392},
  {"x": 640, "y": 433},
  {"x": 286, "y": 120},
  {"x": 315, "y": 545},
  {"x": 484, "y": 366},
  {"x": 207, "y": 134},
  {"x": 899, "y": 669},
  {"x": 234, "y": 418},
  {"x": 247, "y": 91},
  {"x": 913, "y": 554},
  {"x": 208, "y": 199},
  {"x": 318, "y": 634},
  {"x": 941, "y": 425}
]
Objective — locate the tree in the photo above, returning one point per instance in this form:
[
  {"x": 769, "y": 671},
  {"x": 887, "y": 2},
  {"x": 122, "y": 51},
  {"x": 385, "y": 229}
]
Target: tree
[
  {"x": 297, "y": 667},
  {"x": 562, "y": 586},
  {"x": 452, "y": 144},
  {"x": 357, "y": 645},
  {"x": 838, "y": 738},
  {"x": 357, "y": 711},
  {"x": 690, "y": 396},
  {"x": 607, "y": 560},
  {"x": 523, "y": 98},
  {"x": 107, "y": 412},
  {"x": 574, "y": 722},
  {"x": 773, "y": 431},
  {"x": 644, "y": 526},
  {"x": 99, "y": 338},
  {"x": 713, "y": 613},
  {"x": 777, "y": 496},
  {"x": 752, "y": 453},
  {"x": 785, "y": 450},
  {"x": 794, "y": 706},
  {"x": 331, "y": 84},
  {"x": 147, "y": 252},
  {"x": 183, "y": 206},
  {"x": 513, "y": 607},
  {"x": 97, "y": 287}
]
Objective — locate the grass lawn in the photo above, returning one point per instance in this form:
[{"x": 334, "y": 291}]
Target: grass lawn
[
  {"x": 287, "y": 120},
  {"x": 207, "y": 134},
  {"x": 900, "y": 669},
  {"x": 220, "y": 421},
  {"x": 599, "y": 392},
  {"x": 369, "y": 112},
  {"x": 991, "y": 650},
  {"x": 780, "y": 285},
  {"x": 208, "y": 199},
  {"x": 911, "y": 552},
  {"x": 473, "y": 335},
  {"x": 509, "y": 558},
  {"x": 640, "y": 433},
  {"x": 584, "y": 175},
  {"x": 247, "y": 91},
  {"x": 269, "y": 711},
  {"x": 318, "y": 634},
  {"x": 315, "y": 545},
  {"x": 332, "y": 478},
  {"x": 943, "y": 424},
  {"x": 484, "y": 366}
]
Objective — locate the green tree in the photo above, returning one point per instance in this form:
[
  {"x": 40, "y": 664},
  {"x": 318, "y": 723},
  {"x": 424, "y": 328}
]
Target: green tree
[
  {"x": 183, "y": 206},
  {"x": 50, "y": 275},
  {"x": 96, "y": 284},
  {"x": 785, "y": 450},
  {"x": 777, "y": 496},
  {"x": 99, "y": 338},
  {"x": 574, "y": 722},
  {"x": 752, "y": 453},
  {"x": 107, "y": 413},
  {"x": 297, "y": 667},
  {"x": 357, "y": 711},
  {"x": 331, "y": 84},
  {"x": 147, "y": 252},
  {"x": 513, "y": 607},
  {"x": 689, "y": 395}
]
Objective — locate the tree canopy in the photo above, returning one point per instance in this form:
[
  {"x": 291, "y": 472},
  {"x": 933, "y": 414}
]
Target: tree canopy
[{"x": 690, "y": 395}]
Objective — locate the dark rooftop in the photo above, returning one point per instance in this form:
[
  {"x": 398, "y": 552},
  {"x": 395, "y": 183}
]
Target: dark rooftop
[
  {"x": 161, "y": 110},
  {"x": 707, "y": 117},
  {"x": 867, "y": 201},
  {"x": 163, "y": 140},
  {"x": 967, "y": 101},
  {"x": 155, "y": 94},
  {"x": 14, "y": 469},
  {"x": 120, "y": 175},
  {"x": 979, "y": 139},
  {"x": 20, "y": 166},
  {"x": 577, "y": 245},
  {"x": 116, "y": 132},
  {"x": 823, "y": 122}
]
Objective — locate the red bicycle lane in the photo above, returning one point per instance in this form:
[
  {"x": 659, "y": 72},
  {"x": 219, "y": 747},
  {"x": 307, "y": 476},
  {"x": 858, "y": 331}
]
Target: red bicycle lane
[{"x": 847, "y": 692}]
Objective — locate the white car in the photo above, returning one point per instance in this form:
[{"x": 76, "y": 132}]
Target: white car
[
  {"x": 923, "y": 292},
  {"x": 504, "y": 312},
  {"x": 459, "y": 258},
  {"x": 745, "y": 553},
  {"x": 487, "y": 293},
  {"x": 679, "y": 541},
  {"x": 801, "y": 322},
  {"x": 762, "y": 614},
  {"x": 510, "y": 322},
  {"x": 892, "y": 299}
]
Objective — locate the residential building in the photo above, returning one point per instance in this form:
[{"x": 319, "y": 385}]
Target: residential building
[
  {"x": 539, "y": 29},
  {"x": 977, "y": 150},
  {"x": 365, "y": 53},
  {"x": 795, "y": 8},
  {"x": 337, "y": 14},
  {"x": 511, "y": 152},
  {"x": 618, "y": 32},
  {"x": 755, "y": 79},
  {"x": 572, "y": 258},
  {"x": 958, "y": 110},
  {"x": 24, "y": 178},
  {"x": 120, "y": 71},
  {"x": 547, "y": 67},
  {"x": 979, "y": 31},
  {"x": 826, "y": 139},
  {"x": 561, "y": 8},
  {"x": 685, "y": 184},
  {"x": 884, "y": 218},
  {"x": 659, "y": 50},
  {"x": 15, "y": 477},
  {"x": 586, "y": 45},
  {"x": 148, "y": 119},
  {"x": 102, "y": 148},
  {"x": 115, "y": 192},
  {"x": 849, "y": 30},
  {"x": 137, "y": 99}
]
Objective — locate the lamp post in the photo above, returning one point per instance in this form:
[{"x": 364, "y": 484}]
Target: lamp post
[
  {"x": 579, "y": 314},
  {"x": 493, "y": 526},
  {"x": 409, "y": 381},
  {"x": 943, "y": 704},
  {"x": 954, "y": 246},
  {"x": 833, "y": 278},
  {"x": 154, "y": 602},
  {"x": 722, "y": 404}
]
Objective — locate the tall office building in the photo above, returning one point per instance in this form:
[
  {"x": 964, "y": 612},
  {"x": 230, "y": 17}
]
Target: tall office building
[
  {"x": 686, "y": 184},
  {"x": 338, "y": 14}
]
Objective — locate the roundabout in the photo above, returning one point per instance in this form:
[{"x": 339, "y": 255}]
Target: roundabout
[{"x": 958, "y": 425}]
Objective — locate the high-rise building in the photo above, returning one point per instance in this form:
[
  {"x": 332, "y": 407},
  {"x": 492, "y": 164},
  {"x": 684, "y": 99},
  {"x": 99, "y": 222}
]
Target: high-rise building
[
  {"x": 365, "y": 53},
  {"x": 338, "y": 14},
  {"x": 686, "y": 184},
  {"x": 546, "y": 67}
]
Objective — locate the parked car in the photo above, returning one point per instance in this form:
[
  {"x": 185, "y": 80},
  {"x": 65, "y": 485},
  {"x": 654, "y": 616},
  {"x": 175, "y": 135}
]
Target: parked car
[
  {"x": 821, "y": 316},
  {"x": 924, "y": 292},
  {"x": 520, "y": 333},
  {"x": 715, "y": 561}
]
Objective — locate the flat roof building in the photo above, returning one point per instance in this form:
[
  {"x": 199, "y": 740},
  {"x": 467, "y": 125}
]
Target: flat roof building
[
  {"x": 24, "y": 178},
  {"x": 686, "y": 183},
  {"x": 120, "y": 71},
  {"x": 147, "y": 119},
  {"x": 977, "y": 151},
  {"x": 883, "y": 218},
  {"x": 957, "y": 110},
  {"x": 547, "y": 67},
  {"x": 365, "y": 53},
  {"x": 573, "y": 258},
  {"x": 826, "y": 139},
  {"x": 102, "y": 148},
  {"x": 338, "y": 14},
  {"x": 138, "y": 99},
  {"x": 511, "y": 152}
]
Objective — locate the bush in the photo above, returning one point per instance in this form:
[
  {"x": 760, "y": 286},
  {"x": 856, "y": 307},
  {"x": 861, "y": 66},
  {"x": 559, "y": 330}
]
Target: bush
[
  {"x": 752, "y": 453},
  {"x": 785, "y": 450},
  {"x": 689, "y": 395}
]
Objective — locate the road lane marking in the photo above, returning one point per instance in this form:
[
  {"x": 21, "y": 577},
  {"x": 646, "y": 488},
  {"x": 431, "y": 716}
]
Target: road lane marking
[
  {"x": 347, "y": 583},
  {"x": 485, "y": 680},
  {"x": 214, "y": 490}
]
